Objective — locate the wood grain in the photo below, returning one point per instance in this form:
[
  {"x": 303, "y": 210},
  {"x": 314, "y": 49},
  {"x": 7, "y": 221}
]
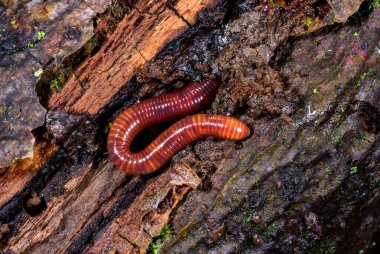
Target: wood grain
[
  {"x": 145, "y": 218},
  {"x": 138, "y": 38}
]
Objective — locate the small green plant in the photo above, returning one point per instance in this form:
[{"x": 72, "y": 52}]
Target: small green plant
[
  {"x": 361, "y": 252},
  {"x": 354, "y": 170},
  {"x": 356, "y": 34},
  {"x": 30, "y": 44},
  {"x": 165, "y": 232},
  {"x": 13, "y": 22},
  {"x": 373, "y": 4},
  {"x": 94, "y": 41},
  {"x": 315, "y": 91},
  {"x": 154, "y": 248},
  {"x": 56, "y": 83},
  {"x": 307, "y": 21},
  {"x": 271, "y": 3},
  {"x": 156, "y": 245},
  {"x": 361, "y": 77},
  {"x": 271, "y": 227},
  {"x": 328, "y": 170},
  {"x": 337, "y": 139},
  {"x": 247, "y": 219},
  {"x": 40, "y": 35},
  {"x": 108, "y": 127},
  {"x": 38, "y": 73}
]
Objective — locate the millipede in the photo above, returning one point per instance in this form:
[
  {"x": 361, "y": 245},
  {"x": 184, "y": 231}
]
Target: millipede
[{"x": 180, "y": 103}]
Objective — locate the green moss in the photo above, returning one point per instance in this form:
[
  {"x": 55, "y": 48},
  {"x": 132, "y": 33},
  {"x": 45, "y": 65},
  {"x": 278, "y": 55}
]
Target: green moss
[
  {"x": 374, "y": 4},
  {"x": 156, "y": 245},
  {"x": 307, "y": 21},
  {"x": 13, "y": 22},
  {"x": 40, "y": 35},
  {"x": 271, "y": 227},
  {"x": 30, "y": 44},
  {"x": 354, "y": 170},
  {"x": 154, "y": 248},
  {"x": 328, "y": 170},
  {"x": 337, "y": 139},
  {"x": 94, "y": 41},
  {"x": 108, "y": 127},
  {"x": 93, "y": 44},
  {"x": 165, "y": 232},
  {"x": 56, "y": 83}
]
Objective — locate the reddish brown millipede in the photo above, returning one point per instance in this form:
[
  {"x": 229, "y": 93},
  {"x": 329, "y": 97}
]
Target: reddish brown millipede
[{"x": 163, "y": 108}]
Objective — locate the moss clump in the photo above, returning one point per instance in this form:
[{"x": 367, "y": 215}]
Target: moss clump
[
  {"x": 56, "y": 83},
  {"x": 156, "y": 245},
  {"x": 307, "y": 21}
]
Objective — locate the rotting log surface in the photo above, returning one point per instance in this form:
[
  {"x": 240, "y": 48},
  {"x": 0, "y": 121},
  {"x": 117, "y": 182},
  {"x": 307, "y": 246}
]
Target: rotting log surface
[
  {"x": 32, "y": 35},
  {"x": 307, "y": 180}
]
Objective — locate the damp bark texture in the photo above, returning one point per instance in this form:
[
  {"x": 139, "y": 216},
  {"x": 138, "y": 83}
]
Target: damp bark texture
[{"x": 303, "y": 75}]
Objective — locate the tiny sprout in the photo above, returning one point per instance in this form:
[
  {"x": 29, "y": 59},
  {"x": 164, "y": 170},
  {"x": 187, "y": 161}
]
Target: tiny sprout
[
  {"x": 247, "y": 220},
  {"x": 356, "y": 34},
  {"x": 38, "y": 73},
  {"x": 354, "y": 170},
  {"x": 54, "y": 85},
  {"x": 40, "y": 35},
  {"x": 307, "y": 22},
  {"x": 374, "y": 4},
  {"x": 13, "y": 22},
  {"x": 315, "y": 90},
  {"x": 165, "y": 232},
  {"x": 108, "y": 127},
  {"x": 30, "y": 44},
  {"x": 363, "y": 75},
  {"x": 328, "y": 170}
]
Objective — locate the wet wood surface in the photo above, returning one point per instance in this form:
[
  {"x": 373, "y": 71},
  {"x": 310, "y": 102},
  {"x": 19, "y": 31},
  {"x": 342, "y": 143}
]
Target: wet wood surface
[
  {"x": 312, "y": 162},
  {"x": 80, "y": 195}
]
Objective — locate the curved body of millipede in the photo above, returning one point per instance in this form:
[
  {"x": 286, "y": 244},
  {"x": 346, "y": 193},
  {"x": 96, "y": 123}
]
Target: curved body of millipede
[{"x": 180, "y": 103}]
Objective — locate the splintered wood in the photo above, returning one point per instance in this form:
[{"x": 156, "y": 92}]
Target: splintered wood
[{"x": 139, "y": 37}]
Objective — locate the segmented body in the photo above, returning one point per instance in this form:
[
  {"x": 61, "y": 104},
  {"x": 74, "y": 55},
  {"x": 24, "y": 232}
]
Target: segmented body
[{"x": 180, "y": 103}]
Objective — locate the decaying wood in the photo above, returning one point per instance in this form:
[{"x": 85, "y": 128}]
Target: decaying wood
[
  {"x": 22, "y": 172},
  {"x": 134, "y": 230},
  {"x": 304, "y": 180},
  {"x": 138, "y": 38},
  {"x": 32, "y": 34}
]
